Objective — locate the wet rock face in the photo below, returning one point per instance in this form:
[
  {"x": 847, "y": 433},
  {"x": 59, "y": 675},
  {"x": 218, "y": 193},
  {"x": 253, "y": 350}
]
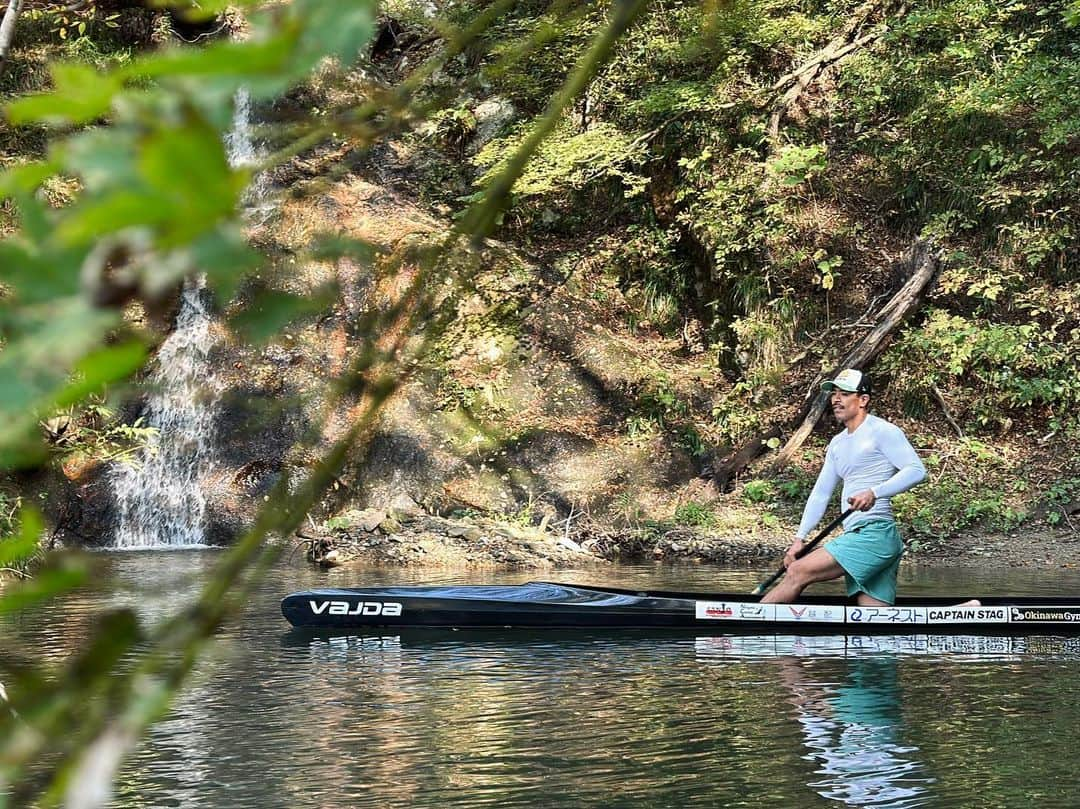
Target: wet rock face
[
  {"x": 226, "y": 521},
  {"x": 520, "y": 407},
  {"x": 256, "y": 428},
  {"x": 82, "y": 512},
  {"x": 401, "y": 464}
]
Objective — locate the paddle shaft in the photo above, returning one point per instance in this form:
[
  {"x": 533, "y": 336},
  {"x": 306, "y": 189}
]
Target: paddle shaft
[{"x": 809, "y": 546}]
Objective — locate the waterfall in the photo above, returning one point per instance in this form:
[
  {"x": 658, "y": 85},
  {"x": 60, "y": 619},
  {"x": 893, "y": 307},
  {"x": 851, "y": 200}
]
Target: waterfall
[{"x": 161, "y": 500}]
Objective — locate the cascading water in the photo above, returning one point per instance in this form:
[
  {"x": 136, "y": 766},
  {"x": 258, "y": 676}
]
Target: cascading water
[{"x": 161, "y": 501}]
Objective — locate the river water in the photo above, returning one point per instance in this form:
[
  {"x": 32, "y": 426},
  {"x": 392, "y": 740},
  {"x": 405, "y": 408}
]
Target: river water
[{"x": 274, "y": 718}]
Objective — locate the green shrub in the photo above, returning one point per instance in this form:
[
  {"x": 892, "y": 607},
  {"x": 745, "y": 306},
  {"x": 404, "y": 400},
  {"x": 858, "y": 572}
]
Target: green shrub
[
  {"x": 694, "y": 514},
  {"x": 759, "y": 491},
  {"x": 568, "y": 161}
]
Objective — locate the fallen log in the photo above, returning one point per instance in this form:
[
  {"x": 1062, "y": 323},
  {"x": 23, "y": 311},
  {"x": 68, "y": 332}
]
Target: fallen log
[
  {"x": 923, "y": 262},
  {"x": 843, "y": 45},
  {"x": 724, "y": 473}
]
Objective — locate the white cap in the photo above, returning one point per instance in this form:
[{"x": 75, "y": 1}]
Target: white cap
[{"x": 849, "y": 380}]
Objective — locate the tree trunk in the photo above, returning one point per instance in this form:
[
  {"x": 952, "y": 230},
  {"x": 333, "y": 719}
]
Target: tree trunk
[
  {"x": 725, "y": 471},
  {"x": 7, "y": 27},
  {"x": 923, "y": 261}
]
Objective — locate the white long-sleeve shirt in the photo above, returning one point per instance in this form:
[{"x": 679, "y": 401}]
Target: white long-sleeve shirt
[{"x": 877, "y": 456}]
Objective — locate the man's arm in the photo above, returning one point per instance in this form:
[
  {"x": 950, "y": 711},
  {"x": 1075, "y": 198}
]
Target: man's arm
[
  {"x": 910, "y": 471},
  {"x": 818, "y": 501}
]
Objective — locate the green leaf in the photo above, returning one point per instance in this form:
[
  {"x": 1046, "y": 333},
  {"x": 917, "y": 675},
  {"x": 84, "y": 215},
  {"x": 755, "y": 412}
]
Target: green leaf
[
  {"x": 225, "y": 256},
  {"x": 188, "y": 168},
  {"x": 101, "y": 157},
  {"x": 238, "y": 60},
  {"x": 81, "y": 95},
  {"x": 118, "y": 210},
  {"x": 46, "y": 584},
  {"x": 202, "y": 9},
  {"x": 341, "y": 30},
  {"x": 24, "y": 542},
  {"x": 101, "y": 368},
  {"x": 35, "y": 365},
  {"x": 26, "y": 178},
  {"x": 182, "y": 187},
  {"x": 35, "y": 277},
  {"x": 36, "y": 225},
  {"x": 272, "y": 310}
]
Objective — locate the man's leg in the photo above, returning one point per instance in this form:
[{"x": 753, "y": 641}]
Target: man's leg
[
  {"x": 814, "y": 567},
  {"x": 867, "y": 600}
]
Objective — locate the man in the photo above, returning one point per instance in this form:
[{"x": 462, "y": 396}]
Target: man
[{"x": 875, "y": 461}]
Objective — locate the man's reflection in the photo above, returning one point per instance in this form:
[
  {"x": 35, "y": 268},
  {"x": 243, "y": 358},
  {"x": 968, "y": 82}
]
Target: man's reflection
[{"x": 852, "y": 727}]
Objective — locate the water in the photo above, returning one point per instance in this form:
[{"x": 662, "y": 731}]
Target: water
[
  {"x": 243, "y": 151},
  {"x": 161, "y": 500},
  {"x": 275, "y": 718}
]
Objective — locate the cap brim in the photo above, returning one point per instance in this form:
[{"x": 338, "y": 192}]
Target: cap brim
[{"x": 830, "y": 386}]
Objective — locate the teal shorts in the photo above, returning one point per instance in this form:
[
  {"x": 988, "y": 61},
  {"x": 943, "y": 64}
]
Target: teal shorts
[{"x": 870, "y": 556}]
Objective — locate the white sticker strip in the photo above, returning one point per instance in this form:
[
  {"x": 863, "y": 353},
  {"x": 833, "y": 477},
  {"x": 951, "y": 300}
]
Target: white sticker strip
[{"x": 813, "y": 613}]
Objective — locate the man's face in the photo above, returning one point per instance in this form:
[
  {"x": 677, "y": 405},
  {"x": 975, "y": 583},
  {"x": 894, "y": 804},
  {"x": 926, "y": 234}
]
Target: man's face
[{"x": 846, "y": 406}]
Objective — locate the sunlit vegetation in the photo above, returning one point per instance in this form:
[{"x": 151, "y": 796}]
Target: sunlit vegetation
[{"x": 730, "y": 237}]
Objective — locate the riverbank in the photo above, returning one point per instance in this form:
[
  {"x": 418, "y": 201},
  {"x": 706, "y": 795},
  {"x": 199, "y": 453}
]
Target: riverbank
[{"x": 421, "y": 540}]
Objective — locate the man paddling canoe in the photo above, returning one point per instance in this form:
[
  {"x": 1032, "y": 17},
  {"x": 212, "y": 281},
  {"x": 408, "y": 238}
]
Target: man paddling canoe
[{"x": 875, "y": 462}]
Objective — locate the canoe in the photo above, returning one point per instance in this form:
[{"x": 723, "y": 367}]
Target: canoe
[{"x": 555, "y": 605}]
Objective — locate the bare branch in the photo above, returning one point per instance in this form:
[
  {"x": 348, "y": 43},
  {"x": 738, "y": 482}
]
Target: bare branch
[{"x": 7, "y": 27}]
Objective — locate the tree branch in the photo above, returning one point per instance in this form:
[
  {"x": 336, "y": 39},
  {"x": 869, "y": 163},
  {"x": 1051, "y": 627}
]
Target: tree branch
[
  {"x": 838, "y": 48},
  {"x": 925, "y": 262},
  {"x": 945, "y": 409},
  {"x": 7, "y": 27}
]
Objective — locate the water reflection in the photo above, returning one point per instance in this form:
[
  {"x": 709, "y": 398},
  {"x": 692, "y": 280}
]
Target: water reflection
[
  {"x": 279, "y": 718},
  {"x": 853, "y": 730}
]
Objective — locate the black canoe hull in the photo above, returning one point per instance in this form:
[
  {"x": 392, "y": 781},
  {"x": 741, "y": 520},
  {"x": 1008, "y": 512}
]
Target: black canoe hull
[{"x": 553, "y": 605}]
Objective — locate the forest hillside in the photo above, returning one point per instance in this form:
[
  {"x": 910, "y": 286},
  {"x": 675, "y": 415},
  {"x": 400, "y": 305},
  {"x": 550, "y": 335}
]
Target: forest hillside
[{"x": 746, "y": 197}]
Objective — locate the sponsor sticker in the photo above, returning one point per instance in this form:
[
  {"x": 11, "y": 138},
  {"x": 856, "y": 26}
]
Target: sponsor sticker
[
  {"x": 823, "y": 613},
  {"x": 967, "y": 615},
  {"x": 885, "y": 615},
  {"x": 733, "y": 611},
  {"x": 1045, "y": 615},
  {"x": 390, "y": 609}
]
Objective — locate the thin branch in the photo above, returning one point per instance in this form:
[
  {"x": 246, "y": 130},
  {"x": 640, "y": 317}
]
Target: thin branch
[
  {"x": 839, "y": 48},
  {"x": 945, "y": 409}
]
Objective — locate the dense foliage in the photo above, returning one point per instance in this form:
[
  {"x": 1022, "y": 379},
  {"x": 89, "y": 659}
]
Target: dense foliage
[
  {"x": 957, "y": 121},
  {"x": 752, "y": 228},
  {"x": 149, "y": 198}
]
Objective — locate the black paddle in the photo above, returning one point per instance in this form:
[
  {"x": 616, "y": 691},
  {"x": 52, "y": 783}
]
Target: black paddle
[{"x": 809, "y": 546}]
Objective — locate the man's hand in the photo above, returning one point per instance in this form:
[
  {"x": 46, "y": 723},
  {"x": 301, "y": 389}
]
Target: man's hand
[
  {"x": 863, "y": 501},
  {"x": 789, "y": 557}
]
